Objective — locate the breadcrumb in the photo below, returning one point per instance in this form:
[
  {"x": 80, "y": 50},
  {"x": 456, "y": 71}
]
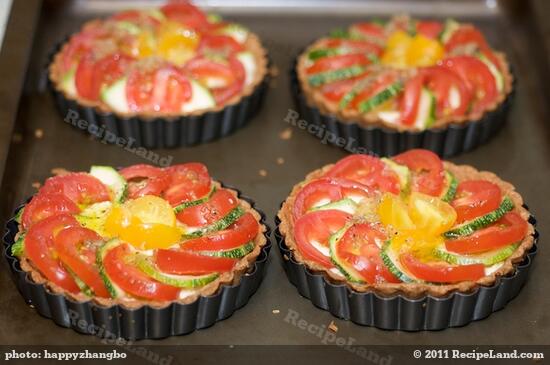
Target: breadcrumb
[
  {"x": 333, "y": 327},
  {"x": 39, "y": 133},
  {"x": 36, "y": 185},
  {"x": 275, "y": 311},
  {"x": 263, "y": 173},
  {"x": 286, "y": 134},
  {"x": 280, "y": 160}
]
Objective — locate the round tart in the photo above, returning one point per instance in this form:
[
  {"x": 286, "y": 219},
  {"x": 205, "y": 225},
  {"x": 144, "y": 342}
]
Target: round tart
[
  {"x": 140, "y": 236},
  {"x": 405, "y": 79},
  {"x": 174, "y": 63},
  {"x": 411, "y": 226}
]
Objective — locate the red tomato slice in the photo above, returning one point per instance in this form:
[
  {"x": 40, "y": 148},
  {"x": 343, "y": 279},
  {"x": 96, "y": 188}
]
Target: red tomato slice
[
  {"x": 44, "y": 205},
  {"x": 80, "y": 187},
  {"x": 244, "y": 230},
  {"x": 335, "y": 91},
  {"x": 187, "y": 263},
  {"x": 441, "y": 272},
  {"x": 440, "y": 80},
  {"x": 358, "y": 248},
  {"x": 475, "y": 198},
  {"x": 511, "y": 228},
  {"x": 382, "y": 82},
  {"x": 107, "y": 70},
  {"x": 367, "y": 170},
  {"x": 219, "y": 44},
  {"x": 145, "y": 180},
  {"x": 84, "y": 77},
  {"x": 411, "y": 99},
  {"x": 352, "y": 45},
  {"x": 327, "y": 189},
  {"x": 186, "y": 13},
  {"x": 76, "y": 248},
  {"x": 316, "y": 228},
  {"x": 163, "y": 89},
  {"x": 430, "y": 29},
  {"x": 80, "y": 44},
  {"x": 477, "y": 76},
  {"x": 428, "y": 174},
  {"x": 214, "y": 209},
  {"x": 39, "y": 248},
  {"x": 337, "y": 62},
  {"x": 369, "y": 30},
  {"x": 132, "y": 280},
  {"x": 464, "y": 36},
  {"x": 188, "y": 182}
]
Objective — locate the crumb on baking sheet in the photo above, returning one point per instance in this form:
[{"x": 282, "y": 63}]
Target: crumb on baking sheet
[
  {"x": 39, "y": 133},
  {"x": 275, "y": 311},
  {"x": 274, "y": 71},
  {"x": 36, "y": 185},
  {"x": 280, "y": 160},
  {"x": 262, "y": 173},
  {"x": 333, "y": 327},
  {"x": 286, "y": 134}
]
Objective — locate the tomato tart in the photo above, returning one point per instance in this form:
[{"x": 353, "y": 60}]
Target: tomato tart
[
  {"x": 411, "y": 227},
  {"x": 203, "y": 75},
  {"x": 140, "y": 237},
  {"x": 405, "y": 84}
]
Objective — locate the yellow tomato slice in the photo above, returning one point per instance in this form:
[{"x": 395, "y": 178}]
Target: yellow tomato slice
[
  {"x": 394, "y": 212},
  {"x": 430, "y": 214},
  {"x": 424, "y": 51},
  {"x": 176, "y": 43},
  {"x": 397, "y": 48}
]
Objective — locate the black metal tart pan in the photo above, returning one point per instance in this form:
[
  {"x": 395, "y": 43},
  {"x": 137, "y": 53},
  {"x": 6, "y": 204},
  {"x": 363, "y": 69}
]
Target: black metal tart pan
[
  {"x": 160, "y": 132},
  {"x": 399, "y": 312},
  {"x": 446, "y": 141},
  {"x": 145, "y": 322}
]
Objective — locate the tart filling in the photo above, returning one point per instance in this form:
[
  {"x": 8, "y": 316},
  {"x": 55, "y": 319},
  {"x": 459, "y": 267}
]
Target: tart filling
[
  {"x": 411, "y": 224},
  {"x": 170, "y": 61},
  {"x": 405, "y": 74},
  {"x": 140, "y": 234}
]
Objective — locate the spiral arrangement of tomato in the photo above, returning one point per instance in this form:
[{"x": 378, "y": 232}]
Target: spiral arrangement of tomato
[
  {"x": 170, "y": 229},
  {"x": 160, "y": 55},
  {"x": 440, "y": 71},
  {"x": 406, "y": 219}
]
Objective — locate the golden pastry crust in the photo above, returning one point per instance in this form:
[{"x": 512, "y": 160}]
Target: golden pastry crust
[{"x": 414, "y": 290}]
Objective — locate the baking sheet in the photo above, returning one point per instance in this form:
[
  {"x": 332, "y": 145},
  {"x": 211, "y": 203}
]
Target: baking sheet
[{"x": 251, "y": 160}]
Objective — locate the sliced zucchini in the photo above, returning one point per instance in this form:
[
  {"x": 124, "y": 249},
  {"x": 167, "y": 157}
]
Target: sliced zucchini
[
  {"x": 214, "y": 18},
  {"x": 323, "y": 52},
  {"x": 114, "y": 96},
  {"x": 110, "y": 177},
  {"x": 345, "y": 268},
  {"x": 145, "y": 264},
  {"x": 402, "y": 172},
  {"x": 236, "y": 31},
  {"x": 204, "y": 199},
  {"x": 201, "y": 98},
  {"x": 19, "y": 215},
  {"x": 18, "y": 247},
  {"x": 345, "y": 205},
  {"x": 499, "y": 78},
  {"x": 392, "y": 263},
  {"x": 112, "y": 288},
  {"x": 81, "y": 285},
  {"x": 234, "y": 253},
  {"x": 380, "y": 98},
  {"x": 249, "y": 63},
  {"x": 68, "y": 83},
  {"x": 425, "y": 116},
  {"x": 93, "y": 217},
  {"x": 450, "y": 187},
  {"x": 450, "y": 27},
  {"x": 473, "y": 225},
  {"x": 335, "y": 75},
  {"x": 487, "y": 258},
  {"x": 223, "y": 223},
  {"x": 128, "y": 27}
]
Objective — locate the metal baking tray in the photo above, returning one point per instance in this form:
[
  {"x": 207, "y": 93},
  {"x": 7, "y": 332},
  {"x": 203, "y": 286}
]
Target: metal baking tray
[{"x": 33, "y": 140}]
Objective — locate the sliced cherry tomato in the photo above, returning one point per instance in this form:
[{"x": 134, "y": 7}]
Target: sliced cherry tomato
[
  {"x": 370, "y": 31},
  {"x": 219, "y": 44},
  {"x": 430, "y": 29},
  {"x": 313, "y": 230},
  {"x": 359, "y": 248},
  {"x": 441, "y": 81},
  {"x": 107, "y": 70},
  {"x": 441, "y": 272},
  {"x": 188, "y": 182},
  {"x": 477, "y": 77},
  {"x": 161, "y": 89},
  {"x": 214, "y": 209},
  {"x": 84, "y": 77},
  {"x": 76, "y": 247},
  {"x": 39, "y": 247},
  {"x": 132, "y": 280},
  {"x": 186, "y": 13},
  {"x": 367, "y": 170},
  {"x": 325, "y": 191},
  {"x": 428, "y": 174},
  {"x": 46, "y": 205},
  {"x": 187, "y": 263},
  {"x": 244, "y": 230},
  {"x": 511, "y": 228},
  {"x": 145, "y": 180},
  {"x": 475, "y": 198},
  {"x": 353, "y": 45},
  {"x": 337, "y": 62},
  {"x": 80, "y": 187}
]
